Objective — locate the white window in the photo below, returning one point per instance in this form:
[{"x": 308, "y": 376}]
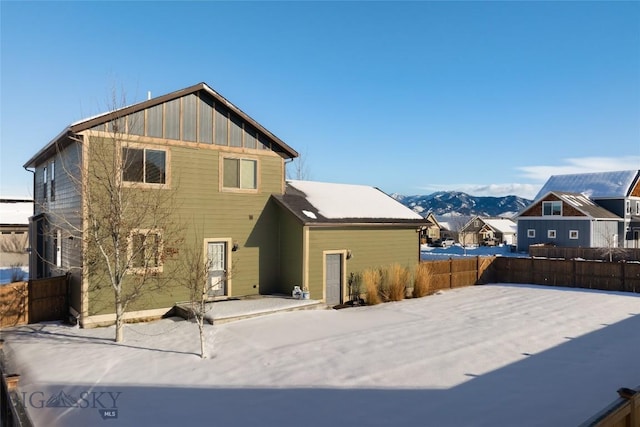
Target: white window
[
  {"x": 531, "y": 233},
  {"x": 573, "y": 234},
  {"x": 637, "y": 208},
  {"x": 58, "y": 246},
  {"x": 628, "y": 207},
  {"x": 145, "y": 250},
  {"x": 551, "y": 234},
  {"x": 240, "y": 173},
  {"x": 553, "y": 208}
]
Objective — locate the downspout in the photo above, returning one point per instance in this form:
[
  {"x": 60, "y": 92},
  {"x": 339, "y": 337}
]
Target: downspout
[{"x": 32, "y": 263}]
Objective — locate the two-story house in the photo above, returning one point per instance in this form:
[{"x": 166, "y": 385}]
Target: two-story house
[
  {"x": 226, "y": 173},
  {"x": 584, "y": 210}
]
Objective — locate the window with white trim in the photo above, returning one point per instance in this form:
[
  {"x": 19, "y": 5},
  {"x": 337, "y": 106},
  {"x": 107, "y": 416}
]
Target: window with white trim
[
  {"x": 145, "y": 250},
  {"x": 551, "y": 234},
  {"x": 240, "y": 173},
  {"x": 552, "y": 208},
  {"x": 144, "y": 165},
  {"x": 573, "y": 234},
  {"x": 531, "y": 233},
  {"x": 637, "y": 208}
]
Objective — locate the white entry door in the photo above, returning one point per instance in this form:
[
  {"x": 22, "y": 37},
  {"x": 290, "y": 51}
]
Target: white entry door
[{"x": 217, "y": 256}]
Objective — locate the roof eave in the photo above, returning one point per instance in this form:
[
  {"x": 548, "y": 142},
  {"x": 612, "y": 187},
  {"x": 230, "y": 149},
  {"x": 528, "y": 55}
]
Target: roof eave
[{"x": 32, "y": 161}]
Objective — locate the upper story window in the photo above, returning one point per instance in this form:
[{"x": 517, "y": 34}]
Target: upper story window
[
  {"x": 551, "y": 234},
  {"x": 240, "y": 173},
  {"x": 637, "y": 208},
  {"x": 628, "y": 207},
  {"x": 144, "y": 165},
  {"x": 531, "y": 233},
  {"x": 573, "y": 234},
  {"x": 52, "y": 173},
  {"x": 45, "y": 178},
  {"x": 552, "y": 208}
]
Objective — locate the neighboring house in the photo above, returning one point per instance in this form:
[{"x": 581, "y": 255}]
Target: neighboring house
[
  {"x": 14, "y": 228},
  {"x": 228, "y": 172},
  {"x": 450, "y": 225},
  {"x": 567, "y": 219},
  {"x": 596, "y": 209},
  {"x": 488, "y": 232},
  {"x": 431, "y": 230}
]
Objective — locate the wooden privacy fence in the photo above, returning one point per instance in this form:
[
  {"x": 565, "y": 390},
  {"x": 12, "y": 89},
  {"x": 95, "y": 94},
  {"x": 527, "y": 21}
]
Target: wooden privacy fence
[
  {"x": 593, "y": 254},
  {"x": 455, "y": 273},
  {"x": 608, "y": 276},
  {"x": 34, "y": 301},
  {"x": 14, "y": 300},
  {"x": 624, "y": 412}
]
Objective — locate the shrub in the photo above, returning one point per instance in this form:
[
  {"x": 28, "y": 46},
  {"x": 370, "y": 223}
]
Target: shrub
[
  {"x": 17, "y": 273},
  {"x": 422, "y": 282},
  {"x": 395, "y": 282},
  {"x": 371, "y": 280}
]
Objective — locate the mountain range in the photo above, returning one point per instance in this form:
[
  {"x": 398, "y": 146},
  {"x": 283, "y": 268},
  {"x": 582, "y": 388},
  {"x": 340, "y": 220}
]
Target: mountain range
[{"x": 459, "y": 203}]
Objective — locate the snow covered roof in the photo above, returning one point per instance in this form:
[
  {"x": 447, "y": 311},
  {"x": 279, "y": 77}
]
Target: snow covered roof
[
  {"x": 501, "y": 224},
  {"x": 315, "y": 201},
  {"x": 15, "y": 212},
  {"x": 593, "y": 185}
]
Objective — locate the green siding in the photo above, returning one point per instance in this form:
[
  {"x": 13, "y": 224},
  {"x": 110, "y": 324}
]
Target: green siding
[
  {"x": 370, "y": 247},
  {"x": 202, "y": 211},
  {"x": 291, "y": 253}
]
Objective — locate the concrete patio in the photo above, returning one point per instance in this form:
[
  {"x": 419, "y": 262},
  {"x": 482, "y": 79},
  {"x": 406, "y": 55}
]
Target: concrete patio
[{"x": 228, "y": 310}]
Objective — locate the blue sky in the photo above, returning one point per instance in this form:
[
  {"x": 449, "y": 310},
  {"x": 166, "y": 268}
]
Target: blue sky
[{"x": 490, "y": 98}]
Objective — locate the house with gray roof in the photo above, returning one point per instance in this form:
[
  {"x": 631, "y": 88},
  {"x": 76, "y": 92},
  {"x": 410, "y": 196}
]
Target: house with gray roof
[{"x": 584, "y": 210}]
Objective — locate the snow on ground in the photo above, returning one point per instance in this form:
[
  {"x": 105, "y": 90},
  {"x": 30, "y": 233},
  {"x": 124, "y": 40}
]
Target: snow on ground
[
  {"x": 456, "y": 251},
  {"x": 492, "y": 355}
]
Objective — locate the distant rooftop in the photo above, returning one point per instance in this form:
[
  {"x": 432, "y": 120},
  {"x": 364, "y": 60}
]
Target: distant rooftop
[
  {"x": 15, "y": 211},
  {"x": 593, "y": 185}
]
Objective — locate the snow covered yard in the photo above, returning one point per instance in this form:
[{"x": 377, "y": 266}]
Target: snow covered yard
[{"x": 493, "y": 355}]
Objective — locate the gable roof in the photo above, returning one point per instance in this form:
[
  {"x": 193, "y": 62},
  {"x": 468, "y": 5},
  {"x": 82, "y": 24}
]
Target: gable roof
[
  {"x": 593, "y": 185},
  {"x": 580, "y": 202},
  {"x": 321, "y": 202},
  {"x": 502, "y": 225},
  {"x": 99, "y": 119}
]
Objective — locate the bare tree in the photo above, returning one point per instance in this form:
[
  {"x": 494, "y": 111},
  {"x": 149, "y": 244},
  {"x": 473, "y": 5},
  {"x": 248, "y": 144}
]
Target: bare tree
[
  {"x": 611, "y": 247},
  {"x": 129, "y": 227},
  {"x": 298, "y": 168},
  {"x": 194, "y": 276}
]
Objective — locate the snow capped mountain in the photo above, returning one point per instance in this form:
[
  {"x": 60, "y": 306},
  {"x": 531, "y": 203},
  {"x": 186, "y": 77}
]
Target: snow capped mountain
[{"x": 456, "y": 202}]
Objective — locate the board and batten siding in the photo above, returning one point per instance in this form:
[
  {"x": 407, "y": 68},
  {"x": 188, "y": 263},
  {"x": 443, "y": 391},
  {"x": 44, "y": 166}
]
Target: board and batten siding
[{"x": 370, "y": 246}]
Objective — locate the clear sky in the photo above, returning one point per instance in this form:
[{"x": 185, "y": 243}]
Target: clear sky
[{"x": 490, "y": 98}]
